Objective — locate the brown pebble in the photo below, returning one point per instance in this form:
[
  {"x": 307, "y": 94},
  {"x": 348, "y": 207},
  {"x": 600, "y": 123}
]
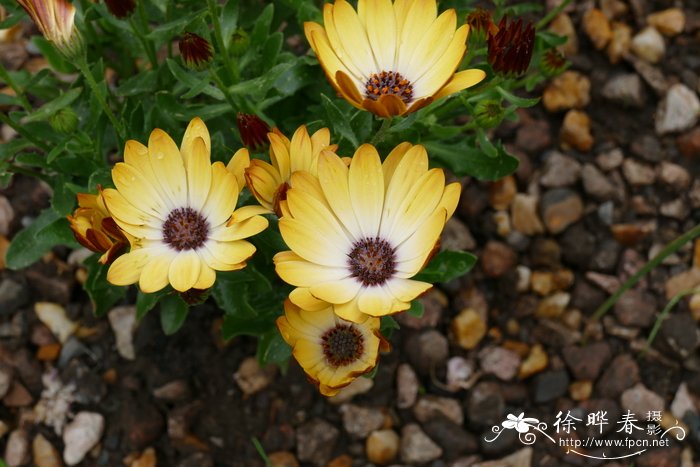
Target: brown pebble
[
  {"x": 283, "y": 459},
  {"x": 597, "y": 28},
  {"x": 576, "y": 131},
  {"x": 17, "y": 396},
  {"x": 502, "y": 192},
  {"x": 48, "y": 353},
  {"x": 580, "y": 390},
  {"x": 497, "y": 259},
  {"x": 570, "y": 90},
  {"x": 688, "y": 144},
  {"x": 468, "y": 328}
]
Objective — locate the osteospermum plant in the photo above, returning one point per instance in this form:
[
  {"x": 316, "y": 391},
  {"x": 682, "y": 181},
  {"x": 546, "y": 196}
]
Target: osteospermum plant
[{"x": 294, "y": 167}]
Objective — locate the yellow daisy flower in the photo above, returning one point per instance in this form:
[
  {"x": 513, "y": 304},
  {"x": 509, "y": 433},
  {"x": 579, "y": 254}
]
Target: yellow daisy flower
[
  {"x": 332, "y": 351},
  {"x": 358, "y": 234},
  {"x": 269, "y": 182},
  {"x": 391, "y": 59},
  {"x": 176, "y": 205}
]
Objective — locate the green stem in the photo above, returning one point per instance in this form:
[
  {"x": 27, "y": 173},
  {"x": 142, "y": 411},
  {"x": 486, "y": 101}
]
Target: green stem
[
  {"x": 552, "y": 14},
  {"x": 19, "y": 92},
  {"x": 94, "y": 87},
  {"x": 141, "y": 34},
  {"x": 227, "y": 95},
  {"x": 668, "y": 250},
  {"x": 228, "y": 63},
  {"x": 22, "y": 132},
  {"x": 381, "y": 133},
  {"x": 664, "y": 313}
]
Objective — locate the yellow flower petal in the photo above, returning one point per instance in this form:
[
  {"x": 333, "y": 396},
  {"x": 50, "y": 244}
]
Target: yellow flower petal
[
  {"x": 302, "y": 239},
  {"x": 349, "y": 311},
  {"x": 223, "y": 195},
  {"x": 434, "y": 43},
  {"x": 137, "y": 190},
  {"x": 303, "y": 299},
  {"x": 239, "y": 230},
  {"x": 126, "y": 269},
  {"x": 406, "y": 290},
  {"x": 237, "y": 165},
  {"x": 302, "y": 273},
  {"x": 199, "y": 175},
  {"x": 300, "y": 150},
  {"x": 123, "y": 211},
  {"x": 168, "y": 167},
  {"x": 263, "y": 181},
  {"x": 184, "y": 270},
  {"x": 337, "y": 291},
  {"x": 442, "y": 70},
  {"x": 333, "y": 178},
  {"x": 234, "y": 252},
  {"x": 353, "y": 37},
  {"x": 374, "y": 301},
  {"x": 207, "y": 277},
  {"x": 195, "y": 129},
  {"x": 462, "y": 80},
  {"x": 307, "y": 209},
  {"x": 154, "y": 276},
  {"x": 366, "y": 185},
  {"x": 381, "y": 32}
]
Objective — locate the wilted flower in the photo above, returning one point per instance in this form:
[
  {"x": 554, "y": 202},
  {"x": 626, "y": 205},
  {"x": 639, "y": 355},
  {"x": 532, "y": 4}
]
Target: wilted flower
[
  {"x": 553, "y": 62},
  {"x": 55, "y": 20},
  {"x": 510, "y": 49},
  {"x": 253, "y": 130},
  {"x": 121, "y": 8},
  {"x": 391, "y": 59},
  {"x": 196, "y": 51},
  {"x": 94, "y": 228}
]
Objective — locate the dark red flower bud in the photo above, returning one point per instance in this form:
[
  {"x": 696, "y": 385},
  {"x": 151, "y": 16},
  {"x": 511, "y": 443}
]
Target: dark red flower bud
[
  {"x": 480, "y": 21},
  {"x": 253, "y": 130},
  {"x": 553, "y": 62},
  {"x": 196, "y": 51},
  {"x": 510, "y": 49},
  {"x": 121, "y": 8}
]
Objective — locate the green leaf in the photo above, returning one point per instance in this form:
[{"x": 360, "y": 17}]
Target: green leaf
[
  {"x": 387, "y": 326},
  {"x": 416, "y": 309},
  {"x": 447, "y": 265},
  {"x": 142, "y": 83},
  {"x": 102, "y": 294},
  {"x": 258, "y": 87},
  {"x": 515, "y": 100},
  {"x": 338, "y": 121},
  {"x": 47, "y": 110},
  {"x": 271, "y": 49},
  {"x": 228, "y": 288},
  {"x": 229, "y": 20},
  {"x": 145, "y": 302},
  {"x": 272, "y": 348},
  {"x": 262, "y": 25},
  {"x": 549, "y": 39},
  {"x": 173, "y": 312},
  {"x": 194, "y": 82},
  {"x": 463, "y": 159},
  {"x": 167, "y": 31},
  {"x": 30, "y": 244}
]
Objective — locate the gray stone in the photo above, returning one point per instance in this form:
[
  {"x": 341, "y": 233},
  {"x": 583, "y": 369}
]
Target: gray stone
[
  {"x": 7, "y": 214},
  {"x": 679, "y": 332},
  {"x": 427, "y": 351},
  {"x": 12, "y": 296},
  {"x": 586, "y": 362},
  {"x": 485, "y": 404},
  {"x": 456, "y": 236},
  {"x": 502, "y": 363},
  {"x": 649, "y": 45},
  {"x": 550, "y": 385},
  {"x": 610, "y": 160},
  {"x": 622, "y": 373},
  {"x": 596, "y": 183},
  {"x": 416, "y": 447},
  {"x": 315, "y": 441},
  {"x": 675, "y": 209},
  {"x": 451, "y": 437},
  {"x": 559, "y": 170},
  {"x": 638, "y": 173},
  {"x": 682, "y": 403},
  {"x": 678, "y": 111},
  {"x": 640, "y": 400},
  {"x": 430, "y": 406},
  {"x": 359, "y": 421},
  {"x": 407, "y": 386},
  {"x": 626, "y": 90},
  {"x": 521, "y": 458},
  {"x": 635, "y": 308},
  {"x": 674, "y": 176},
  {"x": 17, "y": 449}
]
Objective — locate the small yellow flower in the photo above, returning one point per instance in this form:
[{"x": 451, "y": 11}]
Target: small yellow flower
[
  {"x": 95, "y": 229},
  {"x": 269, "y": 182},
  {"x": 391, "y": 59},
  {"x": 55, "y": 19},
  {"x": 358, "y": 234},
  {"x": 332, "y": 351},
  {"x": 179, "y": 209}
]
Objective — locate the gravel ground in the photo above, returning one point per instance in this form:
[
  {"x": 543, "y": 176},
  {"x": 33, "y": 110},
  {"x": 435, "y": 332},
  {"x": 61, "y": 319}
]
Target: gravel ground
[{"x": 609, "y": 174}]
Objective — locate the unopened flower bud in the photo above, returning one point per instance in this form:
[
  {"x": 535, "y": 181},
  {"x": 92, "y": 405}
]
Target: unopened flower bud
[
  {"x": 488, "y": 113},
  {"x": 240, "y": 41},
  {"x": 510, "y": 49},
  {"x": 196, "y": 51},
  {"x": 253, "y": 131},
  {"x": 121, "y": 8},
  {"x": 64, "y": 121}
]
